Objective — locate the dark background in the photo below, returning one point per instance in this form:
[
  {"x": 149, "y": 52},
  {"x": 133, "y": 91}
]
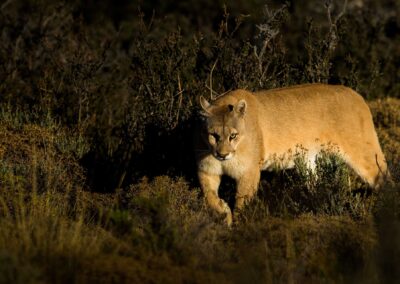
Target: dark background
[{"x": 126, "y": 75}]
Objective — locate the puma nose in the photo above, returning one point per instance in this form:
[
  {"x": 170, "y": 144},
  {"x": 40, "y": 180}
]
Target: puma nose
[{"x": 222, "y": 156}]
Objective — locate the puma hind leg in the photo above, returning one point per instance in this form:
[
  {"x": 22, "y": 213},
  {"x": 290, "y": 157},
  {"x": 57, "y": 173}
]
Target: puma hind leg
[{"x": 370, "y": 164}]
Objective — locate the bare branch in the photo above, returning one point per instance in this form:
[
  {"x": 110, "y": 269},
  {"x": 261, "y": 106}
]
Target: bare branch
[
  {"x": 268, "y": 31},
  {"x": 179, "y": 101},
  {"x": 211, "y": 84},
  {"x": 333, "y": 32},
  {"x": 341, "y": 14},
  {"x": 5, "y": 4},
  {"x": 213, "y": 93},
  {"x": 328, "y": 5}
]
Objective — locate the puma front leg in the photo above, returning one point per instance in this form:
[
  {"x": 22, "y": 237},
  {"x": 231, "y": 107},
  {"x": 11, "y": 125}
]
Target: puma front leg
[
  {"x": 209, "y": 184},
  {"x": 246, "y": 187}
]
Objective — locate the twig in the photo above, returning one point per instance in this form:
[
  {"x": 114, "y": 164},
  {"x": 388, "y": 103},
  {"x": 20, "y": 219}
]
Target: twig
[
  {"x": 386, "y": 174},
  {"x": 260, "y": 55},
  {"x": 4, "y": 5},
  {"x": 149, "y": 90},
  {"x": 225, "y": 93},
  {"x": 268, "y": 31},
  {"x": 213, "y": 92},
  {"x": 343, "y": 11},
  {"x": 211, "y": 74},
  {"x": 179, "y": 101},
  {"x": 333, "y": 24}
]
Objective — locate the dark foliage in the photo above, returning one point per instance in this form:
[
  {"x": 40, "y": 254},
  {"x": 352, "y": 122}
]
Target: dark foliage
[{"x": 128, "y": 79}]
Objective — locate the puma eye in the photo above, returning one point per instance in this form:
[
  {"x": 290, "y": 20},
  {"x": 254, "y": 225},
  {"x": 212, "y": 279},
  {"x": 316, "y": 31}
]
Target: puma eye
[{"x": 233, "y": 136}]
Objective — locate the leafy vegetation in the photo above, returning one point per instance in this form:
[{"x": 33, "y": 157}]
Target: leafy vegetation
[{"x": 98, "y": 105}]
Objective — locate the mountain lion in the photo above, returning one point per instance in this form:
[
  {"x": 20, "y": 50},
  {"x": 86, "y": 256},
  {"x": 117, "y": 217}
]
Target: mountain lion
[{"x": 245, "y": 132}]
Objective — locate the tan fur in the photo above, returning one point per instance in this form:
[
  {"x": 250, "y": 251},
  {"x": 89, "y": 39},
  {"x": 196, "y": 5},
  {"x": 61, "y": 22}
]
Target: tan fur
[{"x": 270, "y": 124}]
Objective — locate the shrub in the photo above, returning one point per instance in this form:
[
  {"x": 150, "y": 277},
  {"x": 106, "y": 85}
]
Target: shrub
[
  {"x": 39, "y": 157},
  {"x": 124, "y": 84}
]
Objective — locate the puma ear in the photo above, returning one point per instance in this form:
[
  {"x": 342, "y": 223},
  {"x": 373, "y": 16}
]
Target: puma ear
[
  {"x": 205, "y": 105},
  {"x": 241, "y": 107}
]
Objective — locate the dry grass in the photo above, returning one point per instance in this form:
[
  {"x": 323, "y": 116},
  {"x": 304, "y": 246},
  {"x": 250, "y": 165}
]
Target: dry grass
[{"x": 161, "y": 230}]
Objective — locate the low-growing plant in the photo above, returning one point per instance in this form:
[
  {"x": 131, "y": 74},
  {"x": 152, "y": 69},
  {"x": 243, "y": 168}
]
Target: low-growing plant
[{"x": 328, "y": 189}]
